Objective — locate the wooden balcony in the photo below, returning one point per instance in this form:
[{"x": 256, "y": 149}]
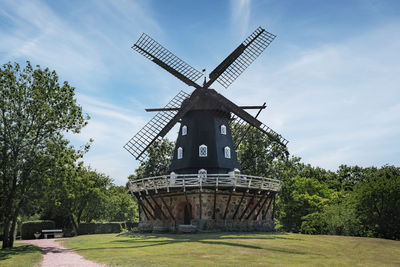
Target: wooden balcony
[{"x": 191, "y": 181}]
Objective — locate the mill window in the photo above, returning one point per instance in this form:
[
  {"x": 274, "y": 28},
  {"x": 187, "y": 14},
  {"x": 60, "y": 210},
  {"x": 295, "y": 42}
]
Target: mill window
[
  {"x": 227, "y": 152},
  {"x": 203, "y": 151},
  {"x": 234, "y": 173},
  {"x": 223, "y": 129},
  {"x": 172, "y": 178},
  {"x": 180, "y": 152},
  {"x": 202, "y": 173},
  {"x": 184, "y": 130}
]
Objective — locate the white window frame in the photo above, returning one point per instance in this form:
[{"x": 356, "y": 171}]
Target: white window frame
[
  {"x": 223, "y": 129},
  {"x": 201, "y": 148},
  {"x": 172, "y": 178},
  {"x": 184, "y": 130},
  {"x": 179, "y": 153},
  {"x": 234, "y": 173},
  {"x": 202, "y": 174},
  {"x": 227, "y": 152}
]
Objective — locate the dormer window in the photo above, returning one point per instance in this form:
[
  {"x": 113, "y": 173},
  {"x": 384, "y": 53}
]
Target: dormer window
[
  {"x": 234, "y": 173},
  {"x": 180, "y": 153},
  {"x": 202, "y": 173},
  {"x": 184, "y": 130},
  {"x": 172, "y": 178},
  {"x": 223, "y": 129},
  {"x": 203, "y": 151},
  {"x": 227, "y": 151}
]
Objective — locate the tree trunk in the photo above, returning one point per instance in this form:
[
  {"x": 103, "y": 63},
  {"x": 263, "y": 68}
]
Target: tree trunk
[
  {"x": 6, "y": 233},
  {"x": 12, "y": 231},
  {"x": 14, "y": 224},
  {"x": 73, "y": 223}
]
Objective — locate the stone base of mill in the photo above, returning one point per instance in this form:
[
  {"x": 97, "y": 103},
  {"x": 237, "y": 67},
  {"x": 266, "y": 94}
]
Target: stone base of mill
[{"x": 207, "y": 210}]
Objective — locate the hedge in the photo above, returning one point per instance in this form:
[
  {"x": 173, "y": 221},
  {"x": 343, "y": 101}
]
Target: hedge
[
  {"x": 129, "y": 225},
  {"x": 100, "y": 228},
  {"x": 29, "y": 228}
]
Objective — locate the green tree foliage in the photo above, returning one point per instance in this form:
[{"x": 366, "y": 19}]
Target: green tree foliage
[
  {"x": 363, "y": 202},
  {"x": 351, "y": 201},
  {"x": 257, "y": 154},
  {"x": 77, "y": 190},
  {"x": 83, "y": 195},
  {"x": 35, "y": 109},
  {"x": 303, "y": 196},
  {"x": 120, "y": 205},
  {"x": 377, "y": 202},
  {"x": 157, "y": 162}
]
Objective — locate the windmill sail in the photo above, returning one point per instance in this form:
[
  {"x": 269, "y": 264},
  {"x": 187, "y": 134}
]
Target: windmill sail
[
  {"x": 152, "y": 50},
  {"x": 227, "y": 72},
  {"x": 139, "y": 143},
  {"x": 239, "y": 128}
]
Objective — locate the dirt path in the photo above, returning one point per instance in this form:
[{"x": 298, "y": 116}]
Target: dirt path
[{"x": 54, "y": 254}]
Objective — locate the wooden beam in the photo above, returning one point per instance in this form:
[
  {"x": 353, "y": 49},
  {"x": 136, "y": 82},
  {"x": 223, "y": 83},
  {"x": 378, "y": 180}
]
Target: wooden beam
[
  {"x": 273, "y": 208},
  {"x": 148, "y": 202},
  {"x": 187, "y": 200},
  {"x": 193, "y": 100},
  {"x": 168, "y": 209},
  {"x": 176, "y": 109},
  {"x": 237, "y": 208},
  {"x": 201, "y": 204},
  {"x": 266, "y": 212},
  {"x": 141, "y": 205},
  {"x": 165, "y": 66},
  {"x": 258, "y": 203},
  {"x": 262, "y": 206},
  {"x": 248, "y": 205},
  {"x": 148, "y": 212},
  {"x": 227, "y": 204},
  {"x": 143, "y": 209},
  {"x": 161, "y": 109},
  {"x": 215, "y": 203},
  {"x": 249, "y": 126},
  {"x": 158, "y": 206}
]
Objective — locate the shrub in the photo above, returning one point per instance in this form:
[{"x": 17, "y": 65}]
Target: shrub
[
  {"x": 30, "y": 227},
  {"x": 100, "y": 228},
  {"x": 129, "y": 225}
]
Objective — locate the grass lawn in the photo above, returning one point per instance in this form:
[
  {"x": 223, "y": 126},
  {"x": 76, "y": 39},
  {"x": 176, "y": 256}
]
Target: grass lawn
[
  {"x": 235, "y": 249},
  {"x": 20, "y": 255}
]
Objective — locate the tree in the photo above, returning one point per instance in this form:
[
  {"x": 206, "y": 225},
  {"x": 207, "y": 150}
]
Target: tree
[
  {"x": 377, "y": 200},
  {"x": 157, "y": 162},
  {"x": 120, "y": 205},
  {"x": 77, "y": 192},
  {"x": 303, "y": 196},
  {"x": 257, "y": 154},
  {"x": 34, "y": 112}
]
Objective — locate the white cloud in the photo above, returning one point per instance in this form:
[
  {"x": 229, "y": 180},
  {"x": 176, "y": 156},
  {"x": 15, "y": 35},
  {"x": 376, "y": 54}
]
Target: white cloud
[
  {"x": 241, "y": 10},
  {"x": 88, "y": 45},
  {"x": 336, "y": 103},
  {"x": 110, "y": 127}
]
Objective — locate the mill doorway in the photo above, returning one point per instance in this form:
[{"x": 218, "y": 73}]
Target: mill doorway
[{"x": 187, "y": 214}]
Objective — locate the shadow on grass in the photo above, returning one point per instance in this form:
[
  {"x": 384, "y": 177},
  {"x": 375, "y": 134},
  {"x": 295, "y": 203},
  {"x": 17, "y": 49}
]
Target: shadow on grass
[
  {"x": 224, "y": 239},
  {"x": 201, "y": 236},
  {"x": 20, "y": 250}
]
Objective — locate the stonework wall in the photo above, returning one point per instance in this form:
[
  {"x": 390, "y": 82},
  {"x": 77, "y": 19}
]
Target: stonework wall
[{"x": 246, "y": 217}]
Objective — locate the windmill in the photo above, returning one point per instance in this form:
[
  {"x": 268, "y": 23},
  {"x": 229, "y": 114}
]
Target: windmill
[{"x": 204, "y": 172}]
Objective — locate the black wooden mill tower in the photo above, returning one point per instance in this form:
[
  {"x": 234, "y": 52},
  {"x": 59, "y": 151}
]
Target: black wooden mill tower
[{"x": 205, "y": 188}]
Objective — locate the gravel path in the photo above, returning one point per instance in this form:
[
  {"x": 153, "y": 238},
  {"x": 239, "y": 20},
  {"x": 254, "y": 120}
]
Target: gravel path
[{"x": 54, "y": 254}]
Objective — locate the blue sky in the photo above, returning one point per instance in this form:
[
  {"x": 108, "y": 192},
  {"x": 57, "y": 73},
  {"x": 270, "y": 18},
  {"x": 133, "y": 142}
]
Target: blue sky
[{"x": 331, "y": 78}]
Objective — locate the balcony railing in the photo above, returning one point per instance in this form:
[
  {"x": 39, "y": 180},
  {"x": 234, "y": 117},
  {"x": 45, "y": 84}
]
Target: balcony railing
[{"x": 188, "y": 181}]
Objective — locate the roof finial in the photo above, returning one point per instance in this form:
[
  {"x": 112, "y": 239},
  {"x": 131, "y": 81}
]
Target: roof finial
[{"x": 204, "y": 73}]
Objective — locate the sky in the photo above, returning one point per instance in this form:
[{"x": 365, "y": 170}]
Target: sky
[{"x": 331, "y": 78}]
